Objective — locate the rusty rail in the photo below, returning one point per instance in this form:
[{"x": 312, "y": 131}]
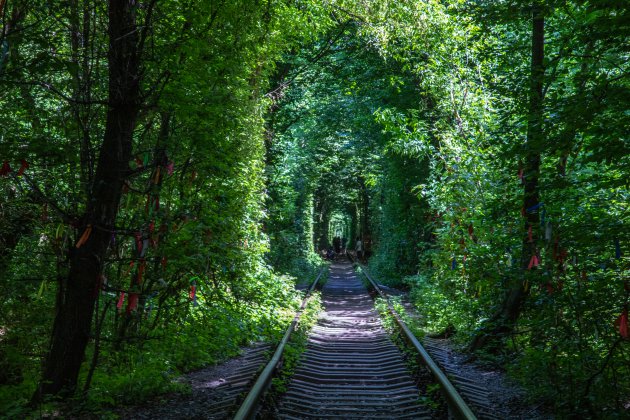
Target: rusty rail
[
  {"x": 249, "y": 405},
  {"x": 456, "y": 403}
]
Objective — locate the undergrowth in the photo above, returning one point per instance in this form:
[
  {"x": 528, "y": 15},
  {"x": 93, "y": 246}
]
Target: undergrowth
[{"x": 134, "y": 371}]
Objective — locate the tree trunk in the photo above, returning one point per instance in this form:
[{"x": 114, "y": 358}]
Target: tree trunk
[
  {"x": 78, "y": 295},
  {"x": 503, "y": 322},
  {"x": 364, "y": 221}
]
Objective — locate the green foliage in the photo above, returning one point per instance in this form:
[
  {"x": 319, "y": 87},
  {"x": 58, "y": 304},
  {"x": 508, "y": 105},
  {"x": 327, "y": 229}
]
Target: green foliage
[
  {"x": 188, "y": 241},
  {"x": 267, "y": 127},
  {"x": 130, "y": 383},
  {"x": 429, "y": 120},
  {"x": 14, "y": 399},
  {"x": 472, "y": 120}
]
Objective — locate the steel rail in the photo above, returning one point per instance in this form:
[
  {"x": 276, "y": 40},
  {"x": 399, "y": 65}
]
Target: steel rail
[
  {"x": 455, "y": 401},
  {"x": 249, "y": 405}
]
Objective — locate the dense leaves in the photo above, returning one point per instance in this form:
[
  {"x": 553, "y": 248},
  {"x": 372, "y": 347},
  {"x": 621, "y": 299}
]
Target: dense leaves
[
  {"x": 434, "y": 118},
  {"x": 184, "y": 281},
  {"x": 493, "y": 187}
]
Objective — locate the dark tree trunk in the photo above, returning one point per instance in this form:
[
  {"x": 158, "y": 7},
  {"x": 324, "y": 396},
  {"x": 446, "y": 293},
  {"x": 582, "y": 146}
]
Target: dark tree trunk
[
  {"x": 78, "y": 295},
  {"x": 322, "y": 222},
  {"x": 80, "y": 27},
  {"x": 503, "y": 322},
  {"x": 364, "y": 222}
]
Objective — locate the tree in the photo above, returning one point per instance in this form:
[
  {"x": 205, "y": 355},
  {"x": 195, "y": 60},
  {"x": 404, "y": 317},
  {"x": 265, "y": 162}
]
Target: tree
[
  {"x": 77, "y": 296},
  {"x": 504, "y": 320}
]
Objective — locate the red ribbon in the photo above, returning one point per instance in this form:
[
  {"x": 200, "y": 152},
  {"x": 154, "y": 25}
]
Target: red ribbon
[
  {"x": 132, "y": 303},
  {"x": 6, "y": 169},
  {"x": 23, "y": 167},
  {"x": 86, "y": 235},
  {"x": 533, "y": 262},
  {"x": 138, "y": 237},
  {"x": 193, "y": 292},
  {"x": 121, "y": 300},
  {"x": 170, "y": 168},
  {"x": 141, "y": 268},
  {"x": 131, "y": 264},
  {"x": 622, "y": 324}
]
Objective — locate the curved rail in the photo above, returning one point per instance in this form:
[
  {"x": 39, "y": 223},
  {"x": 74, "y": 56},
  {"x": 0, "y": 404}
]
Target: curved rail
[
  {"x": 250, "y": 403},
  {"x": 455, "y": 402}
]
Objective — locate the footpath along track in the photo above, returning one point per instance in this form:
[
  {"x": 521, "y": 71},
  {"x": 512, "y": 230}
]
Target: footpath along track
[
  {"x": 215, "y": 391},
  {"x": 350, "y": 368}
]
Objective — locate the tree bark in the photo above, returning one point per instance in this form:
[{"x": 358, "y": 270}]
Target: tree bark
[
  {"x": 504, "y": 321},
  {"x": 364, "y": 219},
  {"x": 77, "y": 297}
]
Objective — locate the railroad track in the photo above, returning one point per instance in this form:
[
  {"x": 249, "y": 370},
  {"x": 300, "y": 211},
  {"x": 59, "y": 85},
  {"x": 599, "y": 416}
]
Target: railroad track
[
  {"x": 350, "y": 368},
  {"x": 473, "y": 392},
  {"x": 438, "y": 359}
]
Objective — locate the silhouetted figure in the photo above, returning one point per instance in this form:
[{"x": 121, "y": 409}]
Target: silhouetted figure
[
  {"x": 330, "y": 254},
  {"x": 359, "y": 249},
  {"x": 337, "y": 244}
]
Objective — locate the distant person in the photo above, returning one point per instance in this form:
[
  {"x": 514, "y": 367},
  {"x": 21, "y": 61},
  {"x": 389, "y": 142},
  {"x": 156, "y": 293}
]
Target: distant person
[
  {"x": 344, "y": 244},
  {"x": 337, "y": 244},
  {"x": 330, "y": 254},
  {"x": 359, "y": 248}
]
